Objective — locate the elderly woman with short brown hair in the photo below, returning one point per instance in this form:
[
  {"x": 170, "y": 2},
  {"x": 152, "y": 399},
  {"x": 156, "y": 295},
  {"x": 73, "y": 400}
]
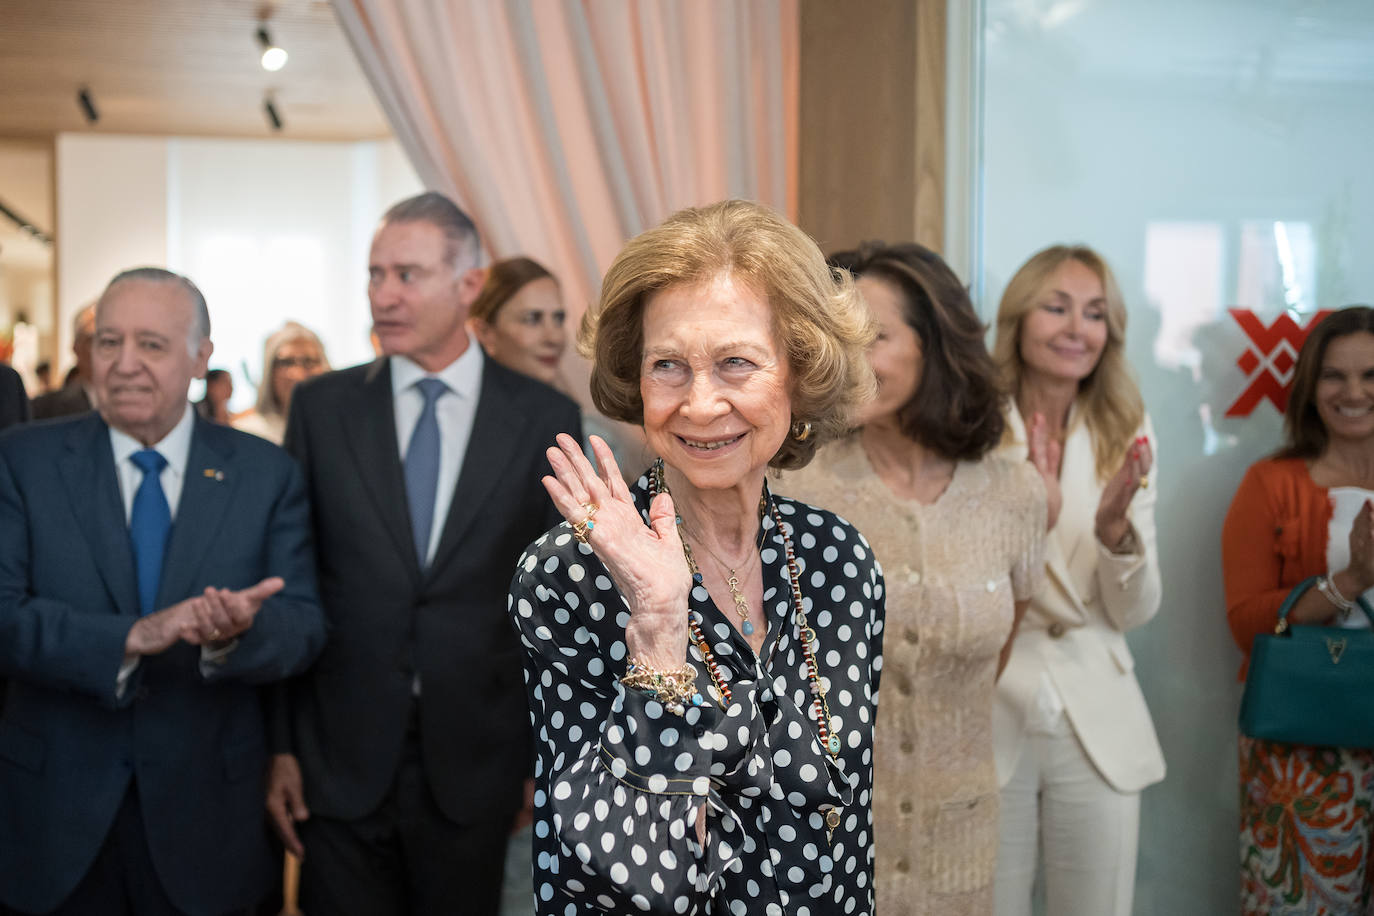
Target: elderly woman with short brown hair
[{"x": 703, "y": 655}]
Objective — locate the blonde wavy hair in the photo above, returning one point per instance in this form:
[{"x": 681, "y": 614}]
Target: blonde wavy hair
[
  {"x": 1108, "y": 399},
  {"x": 818, "y": 318}
]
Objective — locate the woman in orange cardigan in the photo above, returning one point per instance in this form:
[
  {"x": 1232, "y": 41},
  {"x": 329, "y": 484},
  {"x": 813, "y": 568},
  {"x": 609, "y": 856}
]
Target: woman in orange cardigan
[{"x": 1305, "y": 828}]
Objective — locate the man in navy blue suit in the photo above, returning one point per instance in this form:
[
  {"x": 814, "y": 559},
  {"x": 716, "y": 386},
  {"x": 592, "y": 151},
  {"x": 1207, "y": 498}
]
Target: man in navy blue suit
[{"x": 155, "y": 570}]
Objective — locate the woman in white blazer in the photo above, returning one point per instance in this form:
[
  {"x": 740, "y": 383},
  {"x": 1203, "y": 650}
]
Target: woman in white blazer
[{"x": 1073, "y": 737}]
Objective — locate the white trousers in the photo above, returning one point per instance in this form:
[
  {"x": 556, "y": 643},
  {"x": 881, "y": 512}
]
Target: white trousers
[{"x": 1057, "y": 808}]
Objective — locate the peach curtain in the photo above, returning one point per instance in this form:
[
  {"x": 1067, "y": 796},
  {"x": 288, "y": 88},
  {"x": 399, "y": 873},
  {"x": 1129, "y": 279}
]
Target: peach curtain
[{"x": 568, "y": 126}]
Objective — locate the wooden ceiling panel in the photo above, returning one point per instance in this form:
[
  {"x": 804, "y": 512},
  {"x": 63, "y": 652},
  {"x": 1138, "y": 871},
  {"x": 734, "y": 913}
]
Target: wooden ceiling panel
[{"x": 179, "y": 67}]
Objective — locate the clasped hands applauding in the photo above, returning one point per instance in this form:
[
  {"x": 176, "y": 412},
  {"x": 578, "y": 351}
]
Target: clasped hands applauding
[{"x": 211, "y": 619}]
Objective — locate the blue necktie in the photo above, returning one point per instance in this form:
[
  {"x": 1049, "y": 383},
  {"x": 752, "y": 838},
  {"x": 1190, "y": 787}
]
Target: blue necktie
[
  {"x": 149, "y": 523},
  {"x": 422, "y": 468}
]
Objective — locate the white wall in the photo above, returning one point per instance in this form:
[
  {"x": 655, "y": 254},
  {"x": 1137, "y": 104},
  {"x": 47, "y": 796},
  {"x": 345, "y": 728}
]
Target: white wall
[
  {"x": 269, "y": 229},
  {"x": 1172, "y": 136}
]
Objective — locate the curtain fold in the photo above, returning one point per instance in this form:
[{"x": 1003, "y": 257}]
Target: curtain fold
[{"x": 566, "y": 127}]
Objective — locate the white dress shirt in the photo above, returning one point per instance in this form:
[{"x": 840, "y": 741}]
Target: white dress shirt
[
  {"x": 175, "y": 447},
  {"x": 454, "y": 410}
]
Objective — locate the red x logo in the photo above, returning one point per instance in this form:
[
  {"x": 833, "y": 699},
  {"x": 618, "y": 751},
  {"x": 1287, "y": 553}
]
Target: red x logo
[{"x": 1269, "y": 360}]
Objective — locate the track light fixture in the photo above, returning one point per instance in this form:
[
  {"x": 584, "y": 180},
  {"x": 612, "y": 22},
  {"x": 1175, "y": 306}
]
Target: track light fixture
[
  {"x": 273, "y": 57},
  {"x": 83, "y": 98},
  {"x": 269, "y": 108}
]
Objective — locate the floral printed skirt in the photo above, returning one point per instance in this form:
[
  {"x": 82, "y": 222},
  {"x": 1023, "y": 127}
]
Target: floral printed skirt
[{"x": 1305, "y": 829}]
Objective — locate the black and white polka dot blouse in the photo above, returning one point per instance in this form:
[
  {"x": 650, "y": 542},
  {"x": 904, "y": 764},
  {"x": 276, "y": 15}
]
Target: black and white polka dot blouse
[{"x": 618, "y": 778}]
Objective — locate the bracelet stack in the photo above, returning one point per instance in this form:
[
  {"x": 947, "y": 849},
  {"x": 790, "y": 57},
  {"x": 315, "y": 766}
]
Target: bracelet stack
[
  {"x": 1327, "y": 586},
  {"x": 676, "y": 690}
]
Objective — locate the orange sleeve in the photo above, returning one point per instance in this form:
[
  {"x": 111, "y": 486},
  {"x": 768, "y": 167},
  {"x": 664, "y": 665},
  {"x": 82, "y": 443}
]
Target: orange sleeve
[{"x": 1250, "y": 564}]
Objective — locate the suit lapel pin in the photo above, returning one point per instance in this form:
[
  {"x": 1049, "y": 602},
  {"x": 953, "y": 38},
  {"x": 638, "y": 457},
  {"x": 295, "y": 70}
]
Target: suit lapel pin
[{"x": 213, "y": 473}]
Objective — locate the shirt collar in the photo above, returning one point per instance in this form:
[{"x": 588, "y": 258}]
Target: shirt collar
[
  {"x": 463, "y": 376},
  {"x": 175, "y": 446}
]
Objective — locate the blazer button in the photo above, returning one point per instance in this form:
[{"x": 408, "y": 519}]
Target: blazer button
[{"x": 1056, "y": 630}]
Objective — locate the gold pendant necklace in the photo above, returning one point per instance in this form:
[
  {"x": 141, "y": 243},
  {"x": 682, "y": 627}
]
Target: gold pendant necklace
[
  {"x": 741, "y": 603},
  {"x": 820, "y": 708}
]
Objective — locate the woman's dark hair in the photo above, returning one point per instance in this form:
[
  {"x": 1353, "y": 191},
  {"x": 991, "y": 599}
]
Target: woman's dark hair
[
  {"x": 504, "y": 280},
  {"x": 957, "y": 407},
  {"x": 1304, "y": 433}
]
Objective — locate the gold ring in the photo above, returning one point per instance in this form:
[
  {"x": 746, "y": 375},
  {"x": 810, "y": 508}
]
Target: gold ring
[
  {"x": 1144, "y": 483},
  {"x": 582, "y": 529},
  {"x": 214, "y": 634}
]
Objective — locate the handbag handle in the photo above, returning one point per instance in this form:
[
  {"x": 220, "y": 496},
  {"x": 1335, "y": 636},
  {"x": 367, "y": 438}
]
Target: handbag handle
[{"x": 1299, "y": 590}]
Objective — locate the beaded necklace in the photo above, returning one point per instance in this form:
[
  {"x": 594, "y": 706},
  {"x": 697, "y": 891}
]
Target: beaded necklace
[{"x": 820, "y": 709}]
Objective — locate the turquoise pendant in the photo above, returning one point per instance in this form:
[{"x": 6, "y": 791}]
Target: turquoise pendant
[
  {"x": 748, "y": 628},
  {"x": 833, "y": 745}
]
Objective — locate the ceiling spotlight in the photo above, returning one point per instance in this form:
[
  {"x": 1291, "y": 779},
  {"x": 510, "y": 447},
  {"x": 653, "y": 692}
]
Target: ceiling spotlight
[
  {"x": 83, "y": 98},
  {"x": 273, "y": 57}
]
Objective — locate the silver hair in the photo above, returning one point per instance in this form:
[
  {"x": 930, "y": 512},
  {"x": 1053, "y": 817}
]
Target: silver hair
[
  {"x": 200, "y": 312},
  {"x": 436, "y": 209}
]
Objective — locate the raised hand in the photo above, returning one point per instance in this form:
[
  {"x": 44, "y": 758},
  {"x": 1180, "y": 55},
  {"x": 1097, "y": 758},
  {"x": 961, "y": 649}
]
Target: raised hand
[
  {"x": 1045, "y": 453},
  {"x": 645, "y": 562},
  {"x": 1361, "y": 567},
  {"x": 1112, "y": 525}
]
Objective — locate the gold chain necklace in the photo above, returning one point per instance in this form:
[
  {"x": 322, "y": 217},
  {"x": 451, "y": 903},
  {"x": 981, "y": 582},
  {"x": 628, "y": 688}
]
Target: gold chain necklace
[
  {"x": 741, "y": 604},
  {"x": 820, "y": 708}
]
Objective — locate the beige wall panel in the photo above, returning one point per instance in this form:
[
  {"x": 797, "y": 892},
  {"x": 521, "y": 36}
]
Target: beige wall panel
[{"x": 872, "y": 121}]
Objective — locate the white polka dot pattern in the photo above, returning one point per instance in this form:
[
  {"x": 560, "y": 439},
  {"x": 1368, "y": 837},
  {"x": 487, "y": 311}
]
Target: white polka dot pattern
[{"x": 619, "y": 779}]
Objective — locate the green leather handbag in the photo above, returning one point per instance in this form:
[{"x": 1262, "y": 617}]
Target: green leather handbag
[{"x": 1311, "y": 685}]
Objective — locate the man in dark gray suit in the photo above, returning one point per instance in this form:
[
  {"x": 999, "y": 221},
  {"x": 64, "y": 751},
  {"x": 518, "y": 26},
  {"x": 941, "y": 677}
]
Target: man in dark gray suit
[
  {"x": 75, "y": 396},
  {"x": 403, "y": 753},
  {"x": 156, "y": 570}
]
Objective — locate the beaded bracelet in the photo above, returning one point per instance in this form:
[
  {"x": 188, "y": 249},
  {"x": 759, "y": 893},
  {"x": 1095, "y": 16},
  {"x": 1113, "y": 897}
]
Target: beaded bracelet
[
  {"x": 674, "y": 689},
  {"x": 1327, "y": 586}
]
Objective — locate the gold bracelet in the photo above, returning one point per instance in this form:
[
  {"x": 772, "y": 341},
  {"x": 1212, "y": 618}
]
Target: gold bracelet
[{"x": 674, "y": 689}]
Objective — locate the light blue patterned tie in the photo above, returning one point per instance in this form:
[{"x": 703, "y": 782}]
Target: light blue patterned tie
[
  {"x": 422, "y": 468},
  {"x": 149, "y": 523}
]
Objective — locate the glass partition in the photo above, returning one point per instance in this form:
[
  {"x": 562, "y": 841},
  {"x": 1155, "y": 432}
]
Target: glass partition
[{"x": 1218, "y": 153}]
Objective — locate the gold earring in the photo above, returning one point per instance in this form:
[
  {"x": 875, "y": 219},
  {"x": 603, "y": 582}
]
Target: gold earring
[{"x": 801, "y": 430}]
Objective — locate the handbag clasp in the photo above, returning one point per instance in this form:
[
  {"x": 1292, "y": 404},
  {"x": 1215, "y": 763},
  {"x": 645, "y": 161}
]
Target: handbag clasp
[{"x": 1337, "y": 648}]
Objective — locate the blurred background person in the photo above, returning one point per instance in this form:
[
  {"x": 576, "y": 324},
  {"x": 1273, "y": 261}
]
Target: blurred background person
[
  {"x": 42, "y": 373},
  {"x": 519, "y": 319},
  {"x": 1074, "y": 739},
  {"x": 291, "y": 355},
  {"x": 1305, "y": 830},
  {"x": 75, "y": 395},
  {"x": 219, "y": 388},
  {"x": 960, "y": 534}
]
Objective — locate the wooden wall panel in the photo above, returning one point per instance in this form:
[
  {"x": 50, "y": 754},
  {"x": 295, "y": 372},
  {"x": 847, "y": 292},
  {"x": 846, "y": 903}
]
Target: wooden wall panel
[{"x": 872, "y": 121}]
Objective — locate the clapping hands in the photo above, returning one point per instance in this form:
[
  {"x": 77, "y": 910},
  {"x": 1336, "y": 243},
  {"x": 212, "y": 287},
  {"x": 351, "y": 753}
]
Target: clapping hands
[
  {"x": 1112, "y": 525},
  {"x": 212, "y": 618}
]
